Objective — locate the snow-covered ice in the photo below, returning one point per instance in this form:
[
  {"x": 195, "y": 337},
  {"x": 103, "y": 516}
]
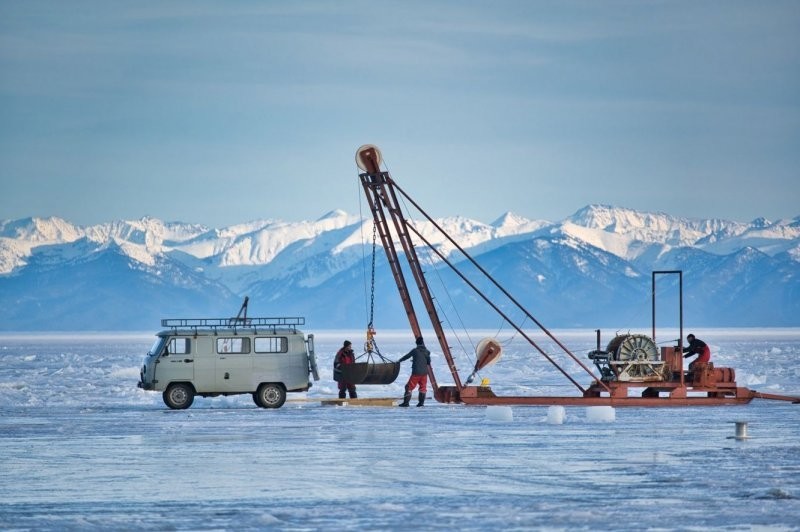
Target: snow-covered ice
[
  {"x": 499, "y": 413},
  {"x": 83, "y": 448},
  {"x": 556, "y": 414},
  {"x": 601, "y": 414}
]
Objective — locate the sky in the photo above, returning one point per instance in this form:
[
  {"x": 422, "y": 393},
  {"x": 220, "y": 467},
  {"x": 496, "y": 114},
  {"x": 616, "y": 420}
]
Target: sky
[{"x": 224, "y": 112}]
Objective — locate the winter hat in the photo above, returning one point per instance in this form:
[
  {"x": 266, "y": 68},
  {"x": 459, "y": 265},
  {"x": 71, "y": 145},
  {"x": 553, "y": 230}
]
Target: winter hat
[{"x": 420, "y": 341}]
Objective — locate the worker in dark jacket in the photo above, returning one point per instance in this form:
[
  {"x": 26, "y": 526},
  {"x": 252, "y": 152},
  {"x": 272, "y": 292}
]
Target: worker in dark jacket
[
  {"x": 419, "y": 372},
  {"x": 343, "y": 357},
  {"x": 697, "y": 347}
]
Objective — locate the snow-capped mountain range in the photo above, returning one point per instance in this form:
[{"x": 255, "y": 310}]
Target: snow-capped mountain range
[{"x": 591, "y": 269}]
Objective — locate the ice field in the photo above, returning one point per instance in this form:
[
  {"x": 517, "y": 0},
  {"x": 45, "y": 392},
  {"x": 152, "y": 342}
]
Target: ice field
[{"x": 83, "y": 448}]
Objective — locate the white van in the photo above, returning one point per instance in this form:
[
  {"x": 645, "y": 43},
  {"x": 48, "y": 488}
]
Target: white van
[{"x": 266, "y": 357}]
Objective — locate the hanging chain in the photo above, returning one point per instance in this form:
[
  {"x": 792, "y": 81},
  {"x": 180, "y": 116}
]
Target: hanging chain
[
  {"x": 369, "y": 346},
  {"x": 372, "y": 280}
]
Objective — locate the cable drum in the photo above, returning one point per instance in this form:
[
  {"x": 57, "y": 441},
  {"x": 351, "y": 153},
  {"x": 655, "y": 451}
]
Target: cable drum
[
  {"x": 633, "y": 348},
  {"x": 635, "y": 358}
]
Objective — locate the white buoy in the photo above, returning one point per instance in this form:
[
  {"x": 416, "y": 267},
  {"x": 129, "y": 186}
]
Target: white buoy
[
  {"x": 741, "y": 430},
  {"x": 603, "y": 414},
  {"x": 499, "y": 413},
  {"x": 556, "y": 415}
]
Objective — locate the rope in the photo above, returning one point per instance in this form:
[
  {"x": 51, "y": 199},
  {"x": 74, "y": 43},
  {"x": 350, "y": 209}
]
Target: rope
[
  {"x": 436, "y": 301},
  {"x": 363, "y": 244},
  {"x": 510, "y": 339},
  {"x": 442, "y": 311},
  {"x": 369, "y": 354}
]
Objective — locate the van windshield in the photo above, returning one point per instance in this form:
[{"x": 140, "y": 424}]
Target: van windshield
[{"x": 158, "y": 345}]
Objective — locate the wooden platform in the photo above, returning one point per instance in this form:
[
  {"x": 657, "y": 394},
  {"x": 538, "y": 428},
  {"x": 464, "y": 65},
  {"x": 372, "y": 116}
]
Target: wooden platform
[
  {"x": 374, "y": 401},
  {"x": 332, "y": 401}
]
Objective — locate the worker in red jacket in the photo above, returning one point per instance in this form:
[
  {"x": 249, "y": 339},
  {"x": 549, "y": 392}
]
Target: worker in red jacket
[
  {"x": 697, "y": 347},
  {"x": 343, "y": 357},
  {"x": 419, "y": 372}
]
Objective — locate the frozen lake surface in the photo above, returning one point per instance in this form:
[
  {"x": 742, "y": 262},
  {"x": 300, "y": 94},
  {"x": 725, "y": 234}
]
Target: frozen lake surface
[{"x": 83, "y": 448}]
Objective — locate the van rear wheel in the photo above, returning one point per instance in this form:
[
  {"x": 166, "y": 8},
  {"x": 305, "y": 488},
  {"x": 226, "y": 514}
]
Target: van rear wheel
[
  {"x": 270, "y": 395},
  {"x": 179, "y": 396}
]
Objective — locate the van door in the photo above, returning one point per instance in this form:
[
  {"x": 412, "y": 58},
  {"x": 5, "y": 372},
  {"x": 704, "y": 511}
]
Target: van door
[
  {"x": 281, "y": 359},
  {"x": 205, "y": 365},
  {"x": 176, "y": 362},
  {"x": 234, "y": 368}
]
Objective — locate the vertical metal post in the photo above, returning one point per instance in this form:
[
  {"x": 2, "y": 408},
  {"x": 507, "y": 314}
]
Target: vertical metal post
[
  {"x": 653, "y": 304},
  {"x": 680, "y": 309}
]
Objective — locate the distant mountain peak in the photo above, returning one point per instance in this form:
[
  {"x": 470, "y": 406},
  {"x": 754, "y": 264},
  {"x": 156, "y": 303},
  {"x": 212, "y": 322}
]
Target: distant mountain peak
[
  {"x": 336, "y": 213},
  {"x": 760, "y": 223},
  {"x": 38, "y": 229},
  {"x": 509, "y": 219},
  {"x": 618, "y": 219}
]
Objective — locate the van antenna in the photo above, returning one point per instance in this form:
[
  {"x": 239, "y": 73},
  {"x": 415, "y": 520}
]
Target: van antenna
[{"x": 242, "y": 315}]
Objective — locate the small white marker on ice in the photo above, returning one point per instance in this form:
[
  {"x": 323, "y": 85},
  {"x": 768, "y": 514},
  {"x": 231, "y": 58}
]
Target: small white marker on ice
[{"x": 741, "y": 431}]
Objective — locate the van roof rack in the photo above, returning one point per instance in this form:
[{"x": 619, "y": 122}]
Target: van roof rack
[{"x": 233, "y": 323}]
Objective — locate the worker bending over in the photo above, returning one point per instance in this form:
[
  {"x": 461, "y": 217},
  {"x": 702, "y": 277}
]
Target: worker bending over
[{"x": 697, "y": 347}]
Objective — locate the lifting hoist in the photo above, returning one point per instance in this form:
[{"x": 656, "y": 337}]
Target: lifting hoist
[
  {"x": 628, "y": 364},
  {"x": 371, "y": 367}
]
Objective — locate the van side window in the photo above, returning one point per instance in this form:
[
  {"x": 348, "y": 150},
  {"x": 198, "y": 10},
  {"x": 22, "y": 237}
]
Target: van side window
[
  {"x": 272, "y": 344},
  {"x": 233, "y": 345},
  {"x": 180, "y": 346}
]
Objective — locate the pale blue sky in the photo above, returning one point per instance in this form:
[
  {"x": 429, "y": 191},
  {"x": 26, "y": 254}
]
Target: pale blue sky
[{"x": 224, "y": 112}]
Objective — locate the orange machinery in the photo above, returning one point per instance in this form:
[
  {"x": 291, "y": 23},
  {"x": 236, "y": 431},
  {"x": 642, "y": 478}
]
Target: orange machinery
[{"x": 629, "y": 364}]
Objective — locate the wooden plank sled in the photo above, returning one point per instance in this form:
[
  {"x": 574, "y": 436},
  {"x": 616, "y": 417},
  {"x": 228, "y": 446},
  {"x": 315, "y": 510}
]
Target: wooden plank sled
[
  {"x": 372, "y": 401},
  {"x": 332, "y": 401}
]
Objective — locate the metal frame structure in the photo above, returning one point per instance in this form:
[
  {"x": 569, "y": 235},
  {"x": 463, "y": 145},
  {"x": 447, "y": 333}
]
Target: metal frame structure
[{"x": 715, "y": 386}]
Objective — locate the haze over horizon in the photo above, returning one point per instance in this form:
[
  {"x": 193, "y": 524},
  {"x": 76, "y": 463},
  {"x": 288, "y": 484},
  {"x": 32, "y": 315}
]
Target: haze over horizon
[{"x": 224, "y": 113}]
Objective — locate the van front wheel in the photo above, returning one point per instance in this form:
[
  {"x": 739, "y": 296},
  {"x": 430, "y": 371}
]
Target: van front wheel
[
  {"x": 270, "y": 395},
  {"x": 179, "y": 396}
]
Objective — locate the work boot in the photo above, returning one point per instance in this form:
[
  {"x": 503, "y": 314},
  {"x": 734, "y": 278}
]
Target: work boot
[
  {"x": 342, "y": 394},
  {"x": 406, "y": 399},
  {"x": 421, "y": 399},
  {"x": 353, "y": 395}
]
